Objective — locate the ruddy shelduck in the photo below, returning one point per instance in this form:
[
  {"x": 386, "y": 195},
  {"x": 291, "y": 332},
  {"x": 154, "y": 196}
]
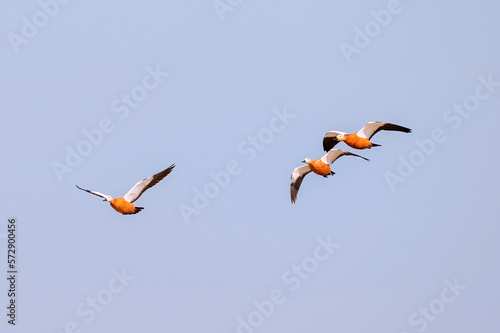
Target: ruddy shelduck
[
  {"x": 124, "y": 204},
  {"x": 321, "y": 166},
  {"x": 361, "y": 139}
]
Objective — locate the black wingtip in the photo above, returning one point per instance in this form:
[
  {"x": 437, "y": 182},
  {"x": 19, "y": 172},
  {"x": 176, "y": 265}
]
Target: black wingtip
[
  {"x": 170, "y": 168},
  {"x": 402, "y": 129},
  {"x": 366, "y": 159}
]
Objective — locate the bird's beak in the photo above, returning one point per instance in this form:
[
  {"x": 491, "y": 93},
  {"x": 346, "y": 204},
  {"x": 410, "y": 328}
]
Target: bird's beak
[
  {"x": 303, "y": 161},
  {"x": 105, "y": 199}
]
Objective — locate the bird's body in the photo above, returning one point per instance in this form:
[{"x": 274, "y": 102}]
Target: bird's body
[
  {"x": 360, "y": 139},
  {"x": 321, "y": 167},
  {"x": 355, "y": 141},
  {"x": 125, "y": 204}
]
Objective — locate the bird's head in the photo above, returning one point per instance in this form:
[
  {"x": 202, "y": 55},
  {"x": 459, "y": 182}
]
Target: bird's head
[
  {"x": 307, "y": 160},
  {"x": 108, "y": 198},
  {"x": 340, "y": 137}
]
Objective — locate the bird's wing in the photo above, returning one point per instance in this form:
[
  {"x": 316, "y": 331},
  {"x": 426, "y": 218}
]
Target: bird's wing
[
  {"x": 372, "y": 128},
  {"x": 298, "y": 175},
  {"x": 92, "y": 192},
  {"x": 330, "y": 139},
  {"x": 139, "y": 188},
  {"x": 333, "y": 154}
]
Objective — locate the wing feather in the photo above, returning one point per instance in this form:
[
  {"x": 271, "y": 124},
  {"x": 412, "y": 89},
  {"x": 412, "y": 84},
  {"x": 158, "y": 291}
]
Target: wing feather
[
  {"x": 330, "y": 139},
  {"x": 139, "y": 188},
  {"x": 333, "y": 154},
  {"x": 372, "y": 128},
  {"x": 298, "y": 175},
  {"x": 92, "y": 192}
]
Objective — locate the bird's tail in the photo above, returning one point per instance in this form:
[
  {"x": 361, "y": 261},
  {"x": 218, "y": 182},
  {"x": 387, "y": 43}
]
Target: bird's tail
[
  {"x": 375, "y": 145},
  {"x": 137, "y": 210}
]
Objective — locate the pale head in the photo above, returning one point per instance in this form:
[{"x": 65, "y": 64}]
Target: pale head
[
  {"x": 108, "y": 198},
  {"x": 341, "y": 137},
  {"x": 307, "y": 160}
]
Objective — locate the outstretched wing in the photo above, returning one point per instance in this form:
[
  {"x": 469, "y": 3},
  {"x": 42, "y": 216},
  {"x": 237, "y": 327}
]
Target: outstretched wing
[
  {"x": 139, "y": 188},
  {"x": 330, "y": 139},
  {"x": 92, "y": 192},
  {"x": 298, "y": 175},
  {"x": 333, "y": 154},
  {"x": 372, "y": 128}
]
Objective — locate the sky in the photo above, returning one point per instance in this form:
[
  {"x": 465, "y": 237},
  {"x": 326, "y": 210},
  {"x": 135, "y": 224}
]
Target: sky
[{"x": 237, "y": 93}]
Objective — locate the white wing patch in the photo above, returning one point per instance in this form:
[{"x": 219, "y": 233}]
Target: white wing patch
[
  {"x": 99, "y": 194},
  {"x": 298, "y": 175},
  {"x": 136, "y": 191},
  {"x": 300, "y": 172},
  {"x": 334, "y": 154},
  {"x": 93, "y": 192},
  {"x": 370, "y": 128},
  {"x": 334, "y": 133},
  {"x": 331, "y": 156},
  {"x": 139, "y": 188}
]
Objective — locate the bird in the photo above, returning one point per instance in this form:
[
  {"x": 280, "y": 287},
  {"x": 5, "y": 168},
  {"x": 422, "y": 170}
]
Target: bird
[
  {"x": 124, "y": 204},
  {"x": 361, "y": 139},
  {"x": 321, "y": 166}
]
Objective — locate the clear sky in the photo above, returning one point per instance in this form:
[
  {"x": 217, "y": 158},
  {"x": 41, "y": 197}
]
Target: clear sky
[{"x": 237, "y": 93}]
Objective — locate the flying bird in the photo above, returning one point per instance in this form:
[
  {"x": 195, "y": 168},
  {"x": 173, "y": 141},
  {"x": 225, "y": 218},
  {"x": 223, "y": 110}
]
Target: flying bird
[
  {"x": 124, "y": 204},
  {"x": 361, "y": 139},
  {"x": 321, "y": 166}
]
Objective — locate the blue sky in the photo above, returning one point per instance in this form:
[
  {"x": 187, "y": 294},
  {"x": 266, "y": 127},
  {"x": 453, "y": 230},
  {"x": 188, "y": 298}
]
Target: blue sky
[{"x": 243, "y": 91}]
